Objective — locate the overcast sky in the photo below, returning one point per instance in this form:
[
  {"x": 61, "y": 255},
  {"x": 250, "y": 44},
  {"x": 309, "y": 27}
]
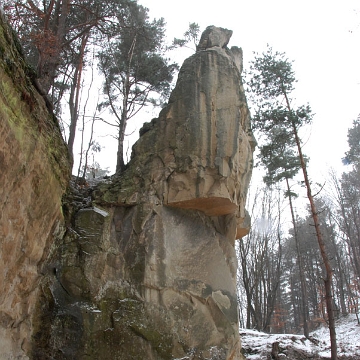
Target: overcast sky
[{"x": 323, "y": 37}]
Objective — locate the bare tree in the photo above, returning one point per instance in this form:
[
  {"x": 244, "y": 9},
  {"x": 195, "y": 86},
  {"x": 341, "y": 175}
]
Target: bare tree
[{"x": 260, "y": 255}]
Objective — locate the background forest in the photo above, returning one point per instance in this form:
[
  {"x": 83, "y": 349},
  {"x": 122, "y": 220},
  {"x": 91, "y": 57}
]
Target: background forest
[
  {"x": 102, "y": 62},
  {"x": 272, "y": 261}
]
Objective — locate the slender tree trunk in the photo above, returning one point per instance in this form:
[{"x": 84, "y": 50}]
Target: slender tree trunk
[
  {"x": 83, "y": 130},
  {"x": 321, "y": 242},
  {"x": 346, "y": 227},
  {"x": 89, "y": 146},
  {"x": 82, "y": 149},
  {"x": 50, "y": 44},
  {"x": 294, "y": 302},
  {"x": 120, "y": 163},
  {"x": 75, "y": 96},
  {"x": 246, "y": 283},
  {"x": 73, "y": 113},
  {"x": 274, "y": 279},
  {"x": 305, "y": 311},
  {"x": 342, "y": 275}
]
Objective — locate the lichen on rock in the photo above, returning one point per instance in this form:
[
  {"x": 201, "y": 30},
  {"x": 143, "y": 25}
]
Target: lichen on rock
[
  {"x": 176, "y": 211},
  {"x": 35, "y": 171},
  {"x": 146, "y": 266}
]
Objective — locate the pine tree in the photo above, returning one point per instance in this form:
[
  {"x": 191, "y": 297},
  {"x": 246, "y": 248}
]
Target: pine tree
[
  {"x": 56, "y": 36},
  {"x": 271, "y": 84},
  {"x": 134, "y": 67},
  {"x": 278, "y": 156}
]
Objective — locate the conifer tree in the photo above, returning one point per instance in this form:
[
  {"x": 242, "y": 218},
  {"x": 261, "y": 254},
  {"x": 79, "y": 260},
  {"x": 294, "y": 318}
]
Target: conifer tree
[
  {"x": 191, "y": 35},
  {"x": 56, "y": 36},
  {"x": 352, "y": 156},
  {"x": 134, "y": 67},
  {"x": 271, "y": 84},
  {"x": 281, "y": 162}
]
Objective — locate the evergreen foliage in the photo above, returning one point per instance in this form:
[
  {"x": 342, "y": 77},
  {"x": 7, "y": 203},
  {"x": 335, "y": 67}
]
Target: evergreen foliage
[
  {"x": 352, "y": 156},
  {"x": 134, "y": 67},
  {"x": 191, "y": 35},
  {"x": 59, "y": 35},
  {"x": 272, "y": 82}
]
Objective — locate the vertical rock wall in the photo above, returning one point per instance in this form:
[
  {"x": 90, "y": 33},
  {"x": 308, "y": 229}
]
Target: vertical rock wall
[
  {"x": 148, "y": 270},
  {"x": 34, "y": 172},
  {"x": 146, "y": 267}
]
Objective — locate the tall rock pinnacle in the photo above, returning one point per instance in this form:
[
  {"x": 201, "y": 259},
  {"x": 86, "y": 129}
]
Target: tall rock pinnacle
[
  {"x": 198, "y": 153},
  {"x": 165, "y": 260},
  {"x": 146, "y": 267}
]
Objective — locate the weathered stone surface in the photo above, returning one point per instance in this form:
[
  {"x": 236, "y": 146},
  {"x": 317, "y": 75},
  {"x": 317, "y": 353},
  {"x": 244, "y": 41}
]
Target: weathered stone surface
[
  {"x": 214, "y": 37},
  {"x": 34, "y": 175},
  {"x": 146, "y": 269},
  {"x": 149, "y": 270},
  {"x": 157, "y": 290},
  {"x": 198, "y": 153}
]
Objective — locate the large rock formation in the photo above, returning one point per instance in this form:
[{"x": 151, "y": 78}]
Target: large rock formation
[
  {"x": 147, "y": 266},
  {"x": 198, "y": 153},
  {"x": 148, "y": 271},
  {"x": 34, "y": 175}
]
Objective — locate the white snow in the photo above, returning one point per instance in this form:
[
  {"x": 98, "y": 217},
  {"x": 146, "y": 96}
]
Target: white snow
[
  {"x": 257, "y": 345},
  {"x": 100, "y": 211}
]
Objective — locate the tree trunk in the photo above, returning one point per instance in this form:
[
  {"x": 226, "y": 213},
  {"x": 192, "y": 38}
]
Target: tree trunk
[
  {"x": 50, "y": 42},
  {"x": 342, "y": 275},
  {"x": 75, "y": 96},
  {"x": 120, "y": 163},
  {"x": 305, "y": 311},
  {"x": 322, "y": 246},
  {"x": 295, "y": 305}
]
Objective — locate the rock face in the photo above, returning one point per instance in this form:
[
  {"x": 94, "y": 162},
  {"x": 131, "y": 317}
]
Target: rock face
[
  {"x": 146, "y": 268},
  {"x": 198, "y": 153},
  {"x": 34, "y": 175}
]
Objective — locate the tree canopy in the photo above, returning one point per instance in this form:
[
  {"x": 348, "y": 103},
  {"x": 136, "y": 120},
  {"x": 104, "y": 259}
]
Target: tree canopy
[
  {"x": 271, "y": 86},
  {"x": 59, "y": 35},
  {"x": 352, "y": 156},
  {"x": 134, "y": 67}
]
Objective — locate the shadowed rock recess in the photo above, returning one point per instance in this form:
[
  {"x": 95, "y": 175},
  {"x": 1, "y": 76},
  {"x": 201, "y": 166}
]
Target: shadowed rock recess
[{"x": 146, "y": 268}]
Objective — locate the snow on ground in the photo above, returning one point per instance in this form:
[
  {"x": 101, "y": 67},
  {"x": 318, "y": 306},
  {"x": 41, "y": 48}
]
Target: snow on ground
[{"x": 257, "y": 345}]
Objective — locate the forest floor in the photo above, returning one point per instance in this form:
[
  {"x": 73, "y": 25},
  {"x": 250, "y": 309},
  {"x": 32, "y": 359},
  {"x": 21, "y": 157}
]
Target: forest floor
[{"x": 261, "y": 346}]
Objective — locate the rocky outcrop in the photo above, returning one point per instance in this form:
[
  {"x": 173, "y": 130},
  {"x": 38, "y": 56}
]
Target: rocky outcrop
[
  {"x": 198, "y": 153},
  {"x": 148, "y": 269},
  {"x": 34, "y": 175},
  {"x": 146, "y": 266}
]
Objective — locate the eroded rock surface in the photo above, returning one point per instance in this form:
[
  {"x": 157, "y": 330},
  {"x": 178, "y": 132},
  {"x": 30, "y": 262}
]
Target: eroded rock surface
[
  {"x": 34, "y": 175},
  {"x": 146, "y": 268},
  {"x": 198, "y": 153}
]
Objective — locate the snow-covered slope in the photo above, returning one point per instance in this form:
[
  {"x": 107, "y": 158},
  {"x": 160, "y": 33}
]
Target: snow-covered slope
[{"x": 258, "y": 346}]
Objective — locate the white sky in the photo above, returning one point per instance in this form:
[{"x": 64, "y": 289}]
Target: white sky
[{"x": 323, "y": 37}]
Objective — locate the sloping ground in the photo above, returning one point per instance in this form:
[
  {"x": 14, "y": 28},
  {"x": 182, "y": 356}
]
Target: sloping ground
[{"x": 258, "y": 346}]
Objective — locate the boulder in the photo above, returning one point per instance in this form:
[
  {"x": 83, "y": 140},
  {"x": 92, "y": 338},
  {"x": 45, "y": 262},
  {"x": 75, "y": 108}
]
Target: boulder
[{"x": 214, "y": 37}]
